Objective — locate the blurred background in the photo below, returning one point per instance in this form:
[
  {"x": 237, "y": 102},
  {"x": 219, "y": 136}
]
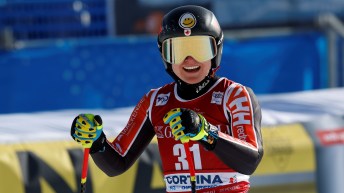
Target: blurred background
[{"x": 59, "y": 58}]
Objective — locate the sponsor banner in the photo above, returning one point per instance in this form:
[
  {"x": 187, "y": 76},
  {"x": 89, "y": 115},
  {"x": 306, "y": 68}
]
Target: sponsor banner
[
  {"x": 287, "y": 149},
  {"x": 327, "y": 133},
  {"x": 56, "y": 167},
  {"x": 49, "y": 167},
  {"x": 181, "y": 182},
  {"x": 331, "y": 137}
]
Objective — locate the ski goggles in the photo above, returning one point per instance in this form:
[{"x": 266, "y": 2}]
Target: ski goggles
[{"x": 201, "y": 48}]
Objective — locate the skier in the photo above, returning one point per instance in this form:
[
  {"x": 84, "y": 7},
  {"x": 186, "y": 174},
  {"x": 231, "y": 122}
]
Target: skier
[{"x": 218, "y": 118}]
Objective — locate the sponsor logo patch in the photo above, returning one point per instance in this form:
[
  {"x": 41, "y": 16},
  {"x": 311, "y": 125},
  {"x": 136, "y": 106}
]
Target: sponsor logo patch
[
  {"x": 331, "y": 137},
  {"x": 217, "y": 98},
  {"x": 187, "y": 21},
  {"x": 162, "y": 99}
]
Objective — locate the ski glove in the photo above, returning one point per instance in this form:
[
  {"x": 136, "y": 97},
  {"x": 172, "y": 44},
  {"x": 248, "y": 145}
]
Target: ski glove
[
  {"x": 187, "y": 125},
  {"x": 86, "y": 129}
]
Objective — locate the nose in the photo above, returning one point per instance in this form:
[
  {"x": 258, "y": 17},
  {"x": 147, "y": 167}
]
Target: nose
[{"x": 189, "y": 59}]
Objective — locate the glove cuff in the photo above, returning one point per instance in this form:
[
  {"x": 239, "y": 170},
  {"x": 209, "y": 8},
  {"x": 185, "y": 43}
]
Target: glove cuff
[
  {"x": 210, "y": 141},
  {"x": 99, "y": 144}
]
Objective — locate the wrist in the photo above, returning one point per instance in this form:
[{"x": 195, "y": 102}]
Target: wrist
[
  {"x": 213, "y": 134},
  {"x": 209, "y": 142},
  {"x": 99, "y": 144}
]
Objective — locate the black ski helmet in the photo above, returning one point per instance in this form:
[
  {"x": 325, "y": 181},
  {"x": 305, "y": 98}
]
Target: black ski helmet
[{"x": 205, "y": 24}]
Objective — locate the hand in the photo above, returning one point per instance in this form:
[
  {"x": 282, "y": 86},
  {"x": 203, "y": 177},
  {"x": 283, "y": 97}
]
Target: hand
[
  {"x": 86, "y": 129},
  {"x": 187, "y": 125}
]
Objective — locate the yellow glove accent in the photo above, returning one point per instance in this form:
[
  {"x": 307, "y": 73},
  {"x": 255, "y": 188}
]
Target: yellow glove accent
[
  {"x": 173, "y": 119},
  {"x": 84, "y": 143},
  {"x": 202, "y": 133},
  {"x": 87, "y": 130}
]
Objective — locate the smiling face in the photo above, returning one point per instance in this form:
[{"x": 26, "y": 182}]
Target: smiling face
[
  {"x": 187, "y": 21},
  {"x": 191, "y": 71}
]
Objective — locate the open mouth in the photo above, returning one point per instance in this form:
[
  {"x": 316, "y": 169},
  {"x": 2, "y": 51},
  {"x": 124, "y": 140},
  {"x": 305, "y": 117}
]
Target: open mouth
[{"x": 191, "y": 68}]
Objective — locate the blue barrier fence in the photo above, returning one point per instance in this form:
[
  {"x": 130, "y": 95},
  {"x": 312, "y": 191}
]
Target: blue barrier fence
[
  {"x": 117, "y": 72},
  {"x": 39, "y": 19}
]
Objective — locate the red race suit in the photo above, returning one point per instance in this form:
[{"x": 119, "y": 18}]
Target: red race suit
[{"x": 231, "y": 107}]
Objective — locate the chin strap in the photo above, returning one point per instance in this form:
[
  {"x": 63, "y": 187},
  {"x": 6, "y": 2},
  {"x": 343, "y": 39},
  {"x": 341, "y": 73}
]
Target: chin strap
[{"x": 214, "y": 70}]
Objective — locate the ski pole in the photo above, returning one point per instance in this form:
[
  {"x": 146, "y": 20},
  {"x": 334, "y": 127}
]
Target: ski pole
[
  {"x": 191, "y": 167},
  {"x": 84, "y": 170}
]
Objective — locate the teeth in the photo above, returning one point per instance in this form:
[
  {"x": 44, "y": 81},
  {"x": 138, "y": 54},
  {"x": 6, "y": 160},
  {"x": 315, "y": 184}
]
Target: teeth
[{"x": 191, "y": 67}]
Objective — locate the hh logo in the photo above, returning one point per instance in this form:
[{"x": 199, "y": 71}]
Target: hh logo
[
  {"x": 217, "y": 98},
  {"x": 162, "y": 99}
]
